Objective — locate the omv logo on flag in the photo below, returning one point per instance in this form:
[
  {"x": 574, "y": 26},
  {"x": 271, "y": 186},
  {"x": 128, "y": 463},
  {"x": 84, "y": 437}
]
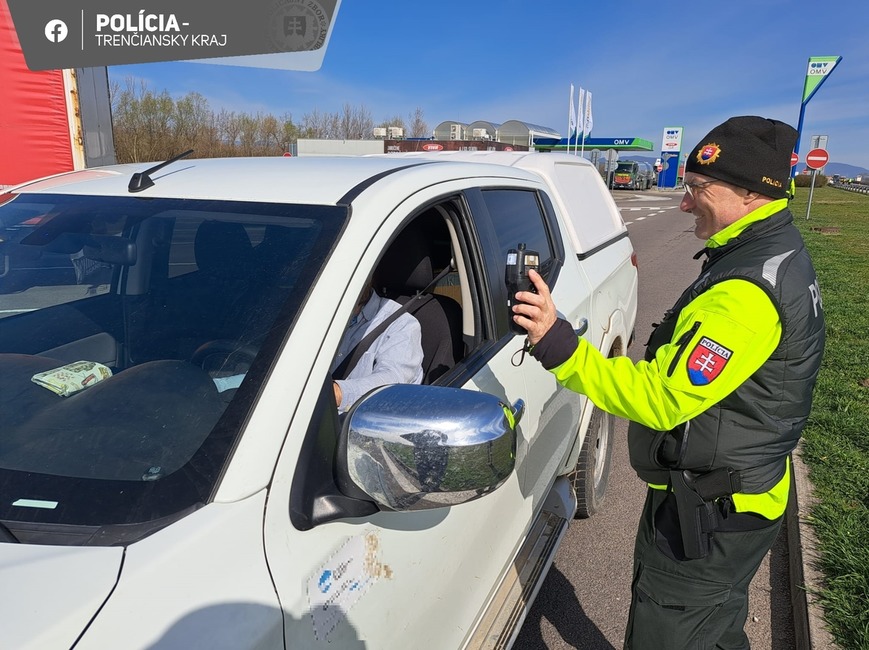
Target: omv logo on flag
[{"x": 820, "y": 68}]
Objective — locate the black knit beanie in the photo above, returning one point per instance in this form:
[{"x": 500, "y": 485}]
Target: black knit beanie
[{"x": 750, "y": 152}]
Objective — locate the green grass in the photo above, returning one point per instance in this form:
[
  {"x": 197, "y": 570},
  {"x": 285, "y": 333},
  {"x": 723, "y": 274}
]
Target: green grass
[{"x": 836, "y": 440}]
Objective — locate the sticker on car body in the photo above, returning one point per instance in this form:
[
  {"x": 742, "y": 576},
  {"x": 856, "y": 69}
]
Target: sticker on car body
[{"x": 342, "y": 580}]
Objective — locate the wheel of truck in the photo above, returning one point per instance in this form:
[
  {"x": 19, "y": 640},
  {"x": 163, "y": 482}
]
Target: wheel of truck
[{"x": 590, "y": 477}]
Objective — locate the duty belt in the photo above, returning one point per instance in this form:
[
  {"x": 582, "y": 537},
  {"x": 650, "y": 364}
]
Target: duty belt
[{"x": 720, "y": 482}]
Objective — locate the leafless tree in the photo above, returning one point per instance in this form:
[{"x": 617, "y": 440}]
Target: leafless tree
[
  {"x": 355, "y": 123},
  {"x": 418, "y": 125},
  {"x": 142, "y": 122},
  {"x": 315, "y": 125},
  {"x": 395, "y": 121},
  {"x": 190, "y": 123},
  {"x": 150, "y": 126},
  {"x": 229, "y": 131}
]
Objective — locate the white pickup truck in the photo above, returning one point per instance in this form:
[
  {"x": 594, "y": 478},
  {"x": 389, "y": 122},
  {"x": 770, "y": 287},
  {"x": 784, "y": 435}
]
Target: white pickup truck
[{"x": 142, "y": 508}]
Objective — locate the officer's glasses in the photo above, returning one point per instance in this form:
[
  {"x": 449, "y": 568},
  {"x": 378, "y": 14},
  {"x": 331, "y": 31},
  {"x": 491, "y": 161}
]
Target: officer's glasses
[{"x": 691, "y": 187}]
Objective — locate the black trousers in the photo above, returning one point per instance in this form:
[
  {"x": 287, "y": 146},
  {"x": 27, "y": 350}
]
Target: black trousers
[{"x": 678, "y": 603}]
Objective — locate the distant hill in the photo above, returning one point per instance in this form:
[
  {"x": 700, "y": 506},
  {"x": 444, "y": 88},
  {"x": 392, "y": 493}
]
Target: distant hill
[
  {"x": 846, "y": 171},
  {"x": 842, "y": 169}
]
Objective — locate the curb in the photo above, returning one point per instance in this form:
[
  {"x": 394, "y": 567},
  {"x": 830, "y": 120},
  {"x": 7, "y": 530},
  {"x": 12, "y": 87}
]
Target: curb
[{"x": 809, "y": 627}]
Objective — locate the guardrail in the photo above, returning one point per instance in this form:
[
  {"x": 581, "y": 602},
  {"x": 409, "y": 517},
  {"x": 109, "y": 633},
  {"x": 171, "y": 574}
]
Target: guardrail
[{"x": 852, "y": 187}]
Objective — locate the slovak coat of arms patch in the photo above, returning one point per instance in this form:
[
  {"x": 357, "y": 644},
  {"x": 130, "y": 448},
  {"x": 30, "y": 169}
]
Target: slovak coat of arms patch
[{"x": 706, "y": 361}]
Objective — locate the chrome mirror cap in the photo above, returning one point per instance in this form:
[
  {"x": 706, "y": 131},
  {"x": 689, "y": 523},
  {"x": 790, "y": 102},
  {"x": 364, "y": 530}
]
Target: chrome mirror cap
[{"x": 412, "y": 447}]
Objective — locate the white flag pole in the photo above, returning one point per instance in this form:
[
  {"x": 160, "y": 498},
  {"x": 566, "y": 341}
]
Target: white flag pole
[
  {"x": 571, "y": 118},
  {"x": 579, "y": 126},
  {"x": 586, "y": 120}
]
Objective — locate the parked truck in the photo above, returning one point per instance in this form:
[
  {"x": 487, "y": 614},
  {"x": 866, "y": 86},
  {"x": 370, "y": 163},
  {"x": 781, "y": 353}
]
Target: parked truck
[
  {"x": 50, "y": 121},
  {"x": 144, "y": 507},
  {"x": 633, "y": 175}
]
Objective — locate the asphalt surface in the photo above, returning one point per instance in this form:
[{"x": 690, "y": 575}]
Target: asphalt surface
[{"x": 584, "y": 600}]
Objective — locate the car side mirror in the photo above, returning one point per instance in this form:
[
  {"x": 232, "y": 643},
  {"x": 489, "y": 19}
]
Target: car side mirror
[{"x": 413, "y": 447}]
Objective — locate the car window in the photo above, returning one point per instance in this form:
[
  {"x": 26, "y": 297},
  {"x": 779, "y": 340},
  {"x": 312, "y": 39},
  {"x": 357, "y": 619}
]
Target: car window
[
  {"x": 419, "y": 261},
  {"x": 49, "y": 274},
  {"x": 431, "y": 252},
  {"x": 114, "y": 405},
  {"x": 182, "y": 255},
  {"x": 518, "y": 218}
]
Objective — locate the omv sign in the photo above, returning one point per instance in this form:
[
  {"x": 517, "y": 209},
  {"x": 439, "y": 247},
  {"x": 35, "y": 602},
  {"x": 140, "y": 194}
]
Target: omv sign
[
  {"x": 672, "y": 138},
  {"x": 671, "y": 148}
]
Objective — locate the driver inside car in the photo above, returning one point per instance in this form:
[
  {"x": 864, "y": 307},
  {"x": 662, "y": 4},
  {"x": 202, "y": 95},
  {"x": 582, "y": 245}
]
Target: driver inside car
[
  {"x": 377, "y": 349},
  {"x": 394, "y": 356}
]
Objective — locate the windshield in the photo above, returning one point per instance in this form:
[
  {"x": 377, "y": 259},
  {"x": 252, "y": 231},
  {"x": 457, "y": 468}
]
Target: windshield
[{"x": 121, "y": 321}]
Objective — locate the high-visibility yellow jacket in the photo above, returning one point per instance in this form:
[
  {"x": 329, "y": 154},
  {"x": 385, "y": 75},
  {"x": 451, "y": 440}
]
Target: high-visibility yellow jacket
[{"x": 739, "y": 350}]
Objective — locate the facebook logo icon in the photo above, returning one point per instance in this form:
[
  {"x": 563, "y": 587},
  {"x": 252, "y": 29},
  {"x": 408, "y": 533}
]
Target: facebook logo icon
[{"x": 56, "y": 31}]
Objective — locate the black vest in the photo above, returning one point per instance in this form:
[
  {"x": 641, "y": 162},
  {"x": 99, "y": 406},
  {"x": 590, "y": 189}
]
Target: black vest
[{"x": 755, "y": 427}]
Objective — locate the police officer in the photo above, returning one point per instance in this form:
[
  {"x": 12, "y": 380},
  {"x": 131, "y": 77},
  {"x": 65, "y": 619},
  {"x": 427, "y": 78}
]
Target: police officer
[{"x": 720, "y": 400}]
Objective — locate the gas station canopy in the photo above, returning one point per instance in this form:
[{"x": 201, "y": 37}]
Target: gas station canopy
[{"x": 619, "y": 144}]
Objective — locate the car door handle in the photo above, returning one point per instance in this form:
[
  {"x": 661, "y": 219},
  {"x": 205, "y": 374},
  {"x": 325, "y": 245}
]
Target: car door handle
[
  {"x": 518, "y": 410},
  {"x": 583, "y": 327}
]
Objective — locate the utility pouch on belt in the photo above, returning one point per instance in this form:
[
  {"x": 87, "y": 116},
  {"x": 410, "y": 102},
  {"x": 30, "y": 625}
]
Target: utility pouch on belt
[{"x": 695, "y": 495}]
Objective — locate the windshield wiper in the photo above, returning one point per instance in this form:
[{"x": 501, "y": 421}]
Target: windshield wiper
[
  {"x": 142, "y": 180},
  {"x": 7, "y": 535}
]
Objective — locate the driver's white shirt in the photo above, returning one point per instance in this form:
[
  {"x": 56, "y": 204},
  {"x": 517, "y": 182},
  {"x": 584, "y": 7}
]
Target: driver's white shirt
[{"x": 395, "y": 357}]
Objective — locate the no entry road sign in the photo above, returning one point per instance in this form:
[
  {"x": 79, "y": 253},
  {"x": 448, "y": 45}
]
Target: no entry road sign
[
  {"x": 817, "y": 158},
  {"x": 794, "y": 159}
]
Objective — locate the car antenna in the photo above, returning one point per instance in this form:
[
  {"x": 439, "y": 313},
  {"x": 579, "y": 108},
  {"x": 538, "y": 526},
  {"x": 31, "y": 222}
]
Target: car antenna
[{"x": 142, "y": 180}]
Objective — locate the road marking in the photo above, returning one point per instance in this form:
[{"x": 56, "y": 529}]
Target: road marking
[
  {"x": 658, "y": 210},
  {"x": 651, "y": 207}
]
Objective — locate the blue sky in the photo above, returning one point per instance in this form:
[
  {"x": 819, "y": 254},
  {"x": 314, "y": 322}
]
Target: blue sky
[{"x": 649, "y": 65}]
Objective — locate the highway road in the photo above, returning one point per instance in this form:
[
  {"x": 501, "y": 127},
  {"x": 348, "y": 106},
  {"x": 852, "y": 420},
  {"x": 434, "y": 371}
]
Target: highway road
[{"x": 585, "y": 599}]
